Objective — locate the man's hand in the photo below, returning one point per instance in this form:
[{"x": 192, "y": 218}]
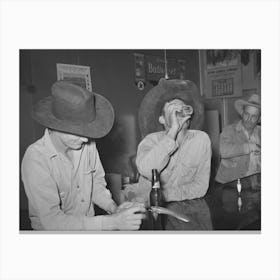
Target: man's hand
[
  {"x": 128, "y": 204},
  {"x": 129, "y": 218},
  {"x": 254, "y": 148},
  {"x": 174, "y": 122}
]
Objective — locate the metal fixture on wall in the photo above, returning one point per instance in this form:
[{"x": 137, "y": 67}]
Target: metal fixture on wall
[
  {"x": 140, "y": 80},
  {"x": 165, "y": 66}
]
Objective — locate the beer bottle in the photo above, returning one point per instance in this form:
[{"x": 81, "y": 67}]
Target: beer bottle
[{"x": 156, "y": 196}]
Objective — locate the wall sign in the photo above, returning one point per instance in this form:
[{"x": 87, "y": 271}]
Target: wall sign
[
  {"x": 220, "y": 73},
  {"x": 155, "y": 68},
  {"x": 222, "y": 87},
  {"x": 152, "y": 68},
  {"x": 76, "y": 74}
]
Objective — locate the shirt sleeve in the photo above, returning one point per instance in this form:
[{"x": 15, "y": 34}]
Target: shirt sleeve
[
  {"x": 198, "y": 185},
  {"x": 153, "y": 154},
  {"x": 43, "y": 196},
  {"x": 229, "y": 147},
  {"x": 101, "y": 196}
]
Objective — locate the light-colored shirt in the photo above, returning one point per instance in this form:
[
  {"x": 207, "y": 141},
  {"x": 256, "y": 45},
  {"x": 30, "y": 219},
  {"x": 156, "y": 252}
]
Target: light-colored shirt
[
  {"x": 255, "y": 159},
  {"x": 236, "y": 159},
  {"x": 61, "y": 195},
  {"x": 184, "y": 169}
]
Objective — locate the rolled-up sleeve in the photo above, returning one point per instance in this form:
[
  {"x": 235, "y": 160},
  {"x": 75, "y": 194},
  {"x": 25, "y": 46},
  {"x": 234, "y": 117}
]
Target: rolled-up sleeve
[{"x": 42, "y": 193}]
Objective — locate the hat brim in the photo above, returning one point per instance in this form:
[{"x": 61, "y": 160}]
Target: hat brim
[
  {"x": 151, "y": 106},
  {"x": 98, "y": 128},
  {"x": 239, "y": 105}
]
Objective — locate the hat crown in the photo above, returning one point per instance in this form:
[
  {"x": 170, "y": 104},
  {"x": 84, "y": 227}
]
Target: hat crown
[
  {"x": 72, "y": 103},
  {"x": 254, "y": 99}
]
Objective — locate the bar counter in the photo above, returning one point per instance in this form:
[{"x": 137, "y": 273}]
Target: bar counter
[{"x": 223, "y": 208}]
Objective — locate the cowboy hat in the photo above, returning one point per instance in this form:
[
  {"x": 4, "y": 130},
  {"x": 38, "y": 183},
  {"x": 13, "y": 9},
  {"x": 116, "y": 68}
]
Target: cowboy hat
[
  {"x": 73, "y": 109},
  {"x": 253, "y": 100},
  {"x": 152, "y": 104}
]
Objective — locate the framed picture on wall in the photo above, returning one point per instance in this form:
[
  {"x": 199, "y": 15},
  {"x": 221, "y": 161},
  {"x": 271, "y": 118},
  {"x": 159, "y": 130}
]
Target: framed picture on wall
[
  {"x": 77, "y": 74},
  {"x": 220, "y": 73}
]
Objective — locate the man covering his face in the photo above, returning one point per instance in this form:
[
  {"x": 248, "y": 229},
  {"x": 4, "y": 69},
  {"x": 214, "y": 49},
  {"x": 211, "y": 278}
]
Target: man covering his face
[{"x": 181, "y": 155}]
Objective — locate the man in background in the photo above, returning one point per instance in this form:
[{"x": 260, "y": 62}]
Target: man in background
[
  {"x": 240, "y": 142},
  {"x": 62, "y": 173}
]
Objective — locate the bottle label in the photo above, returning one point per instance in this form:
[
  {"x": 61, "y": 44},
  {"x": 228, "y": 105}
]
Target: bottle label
[{"x": 156, "y": 185}]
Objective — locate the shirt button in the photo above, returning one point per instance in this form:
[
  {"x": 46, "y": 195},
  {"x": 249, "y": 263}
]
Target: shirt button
[
  {"x": 78, "y": 187},
  {"x": 83, "y": 200}
]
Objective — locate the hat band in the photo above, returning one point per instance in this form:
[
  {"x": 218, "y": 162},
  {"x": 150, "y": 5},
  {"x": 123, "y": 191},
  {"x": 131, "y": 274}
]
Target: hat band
[{"x": 254, "y": 103}]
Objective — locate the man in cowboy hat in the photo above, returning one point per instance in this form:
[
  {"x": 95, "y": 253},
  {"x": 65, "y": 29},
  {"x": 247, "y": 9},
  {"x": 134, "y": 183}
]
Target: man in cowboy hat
[
  {"x": 181, "y": 155},
  {"x": 62, "y": 174},
  {"x": 240, "y": 142}
]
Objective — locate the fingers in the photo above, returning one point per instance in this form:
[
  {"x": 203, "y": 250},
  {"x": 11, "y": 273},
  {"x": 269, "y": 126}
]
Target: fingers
[
  {"x": 134, "y": 227},
  {"x": 134, "y": 209},
  {"x": 133, "y": 221},
  {"x": 130, "y": 218},
  {"x": 172, "y": 117},
  {"x": 126, "y": 204},
  {"x": 129, "y": 204},
  {"x": 173, "y": 108},
  {"x": 138, "y": 217},
  {"x": 137, "y": 203},
  {"x": 176, "y": 108}
]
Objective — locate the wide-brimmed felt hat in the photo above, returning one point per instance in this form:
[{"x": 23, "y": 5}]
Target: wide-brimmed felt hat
[
  {"x": 75, "y": 110},
  {"x": 153, "y": 102},
  {"x": 253, "y": 100}
]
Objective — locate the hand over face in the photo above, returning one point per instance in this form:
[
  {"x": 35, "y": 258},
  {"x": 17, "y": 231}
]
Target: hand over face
[{"x": 175, "y": 115}]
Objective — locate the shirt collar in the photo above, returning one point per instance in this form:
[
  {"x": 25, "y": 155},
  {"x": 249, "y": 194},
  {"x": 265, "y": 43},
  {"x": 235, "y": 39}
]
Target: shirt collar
[{"x": 49, "y": 145}]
